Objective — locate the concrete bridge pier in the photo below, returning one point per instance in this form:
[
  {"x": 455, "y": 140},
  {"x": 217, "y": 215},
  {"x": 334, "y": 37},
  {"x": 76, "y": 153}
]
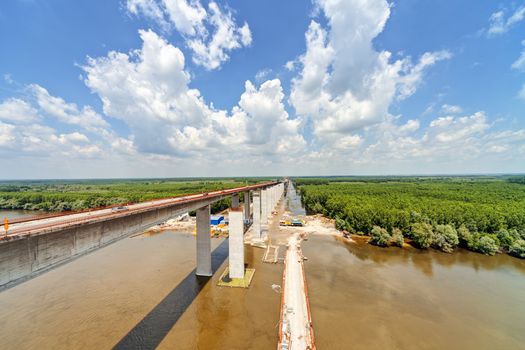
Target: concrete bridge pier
[
  {"x": 272, "y": 200},
  {"x": 236, "y": 243},
  {"x": 256, "y": 226},
  {"x": 264, "y": 206},
  {"x": 247, "y": 214},
  {"x": 203, "y": 242},
  {"x": 235, "y": 201}
]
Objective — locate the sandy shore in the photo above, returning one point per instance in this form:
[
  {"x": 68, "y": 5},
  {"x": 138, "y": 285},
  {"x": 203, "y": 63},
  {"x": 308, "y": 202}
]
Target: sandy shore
[
  {"x": 315, "y": 225},
  {"x": 187, "y": 225}
]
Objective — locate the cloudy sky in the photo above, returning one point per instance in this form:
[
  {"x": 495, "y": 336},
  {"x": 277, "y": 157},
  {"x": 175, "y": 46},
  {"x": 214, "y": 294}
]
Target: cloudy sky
[{"x": 166, "y": 88}]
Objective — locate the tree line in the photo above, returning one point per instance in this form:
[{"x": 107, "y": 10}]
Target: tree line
[{"x": 480, "y": 214}]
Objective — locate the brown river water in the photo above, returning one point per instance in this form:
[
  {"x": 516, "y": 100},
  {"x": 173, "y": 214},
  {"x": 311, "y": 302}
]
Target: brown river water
[
  {"x": 17, "y": 214},
  {"x": 141, "y": 292},
  {"x": 366, "y": 297}
]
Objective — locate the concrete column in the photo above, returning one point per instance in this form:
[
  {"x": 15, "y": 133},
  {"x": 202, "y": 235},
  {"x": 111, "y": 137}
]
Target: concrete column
[
  {"x": 268, "y": 201},
  {"x": 236, "y": 243},
  {"x": 203, "y": 242},
  {"x": 272, "y": 204},
  {"x": 247, "y": 214},
  {"x": 235, "y": 201},
  {"x": 264, "y": 206},
  {"x": 256, "y": 226}
]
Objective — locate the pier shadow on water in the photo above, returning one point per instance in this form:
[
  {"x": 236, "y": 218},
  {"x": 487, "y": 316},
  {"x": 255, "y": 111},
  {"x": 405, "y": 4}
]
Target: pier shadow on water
[{"x": 152, "y": 329}]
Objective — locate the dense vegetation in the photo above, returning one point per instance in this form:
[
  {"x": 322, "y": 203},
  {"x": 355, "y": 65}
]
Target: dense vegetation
[
  {"x": 483, "y": 214},
  {"x": 517, "y": 179},
  {"x": 84, "y": 194}
]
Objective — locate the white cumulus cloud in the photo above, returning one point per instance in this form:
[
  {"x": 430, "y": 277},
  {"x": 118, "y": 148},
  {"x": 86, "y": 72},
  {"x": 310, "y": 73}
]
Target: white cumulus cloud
[
  {"x": 6, "y": 134},
  {"x": 149, "y": 90},
  {"x": 345, "y": 84},
  {"x": 452, "y": 129},
  {"x": 519, "y": 64},
  {"x": 499, "y": 23},
  {"x": 521, "y": 94},
  {"x": 410, "y": 126},
  {"x": 451, "y": 109},
  {"x": 290, "y": 65},
  {"x": 211, "y": 33},
  {"x": 42, "y": 141},
  {"x": 17, "y": 110},
  {"x": 25, "y": 127},
  {"x": 68, "y": 113}
]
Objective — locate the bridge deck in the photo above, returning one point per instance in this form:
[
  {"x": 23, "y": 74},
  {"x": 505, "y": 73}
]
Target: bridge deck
[
  {"x": 42, "y": 225},
  {"x": 296, "y": 331}
]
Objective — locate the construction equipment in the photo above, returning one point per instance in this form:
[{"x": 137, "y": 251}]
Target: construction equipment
[
  {"x": 291, "y": 222},
  {"x": 297, "y": 222}
]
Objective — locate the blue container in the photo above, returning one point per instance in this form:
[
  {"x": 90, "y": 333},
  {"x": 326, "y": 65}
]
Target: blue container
[{"x": 215, "y": 220}]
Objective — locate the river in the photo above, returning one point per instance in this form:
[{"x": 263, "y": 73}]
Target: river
[
  {"x": 142, "y": 292},
  {"x": 17, "y": 214},
  {"x": 366, "y": 297}
]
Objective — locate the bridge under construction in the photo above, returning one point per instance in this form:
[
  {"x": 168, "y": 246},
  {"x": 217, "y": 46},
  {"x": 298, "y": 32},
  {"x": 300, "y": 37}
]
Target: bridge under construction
[{"x": 35, "y": 245}]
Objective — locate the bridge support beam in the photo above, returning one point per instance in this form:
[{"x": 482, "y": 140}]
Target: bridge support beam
[
  {"x": 236, "y": 243},
  {"x": 247, "y": 214},
  {"x": 203, "y": 242}
]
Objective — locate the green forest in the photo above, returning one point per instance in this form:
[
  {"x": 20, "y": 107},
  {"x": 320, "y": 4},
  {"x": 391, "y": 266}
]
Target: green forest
[
  {"x": 75, "y": 195},
  {"x": 483, "y": 214}
]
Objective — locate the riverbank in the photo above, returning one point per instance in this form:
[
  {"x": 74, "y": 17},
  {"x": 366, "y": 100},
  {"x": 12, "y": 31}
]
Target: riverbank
[
  {"x": 188, "y": 224},
  {"x": 317, "y": 224}
]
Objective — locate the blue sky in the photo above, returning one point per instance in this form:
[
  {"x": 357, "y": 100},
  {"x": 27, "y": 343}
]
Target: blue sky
[{"x": 133, "y": 88}]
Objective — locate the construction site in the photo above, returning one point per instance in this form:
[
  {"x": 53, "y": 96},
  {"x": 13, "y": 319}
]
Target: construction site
[
  {"x": 131, "y": 278},
  {"x": 281, "y": 238},
  {"x": 266, "y": 226}
]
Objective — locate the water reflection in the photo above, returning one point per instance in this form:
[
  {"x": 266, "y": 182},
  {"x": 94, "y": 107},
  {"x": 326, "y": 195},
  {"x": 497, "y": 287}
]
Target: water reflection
[
  {"x": 424, "y": 260},
  {"x": 293, "y": 201}
]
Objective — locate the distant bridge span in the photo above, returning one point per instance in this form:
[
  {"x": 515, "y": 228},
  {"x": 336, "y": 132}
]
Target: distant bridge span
[{"x": 38, "y": 244}]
